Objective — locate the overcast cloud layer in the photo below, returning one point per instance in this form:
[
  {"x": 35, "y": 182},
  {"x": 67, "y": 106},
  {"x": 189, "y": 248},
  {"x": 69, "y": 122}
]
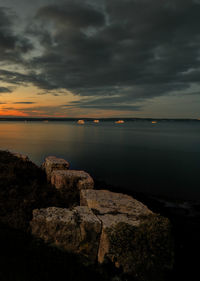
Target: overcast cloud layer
[{"x": 114, "y": 54}]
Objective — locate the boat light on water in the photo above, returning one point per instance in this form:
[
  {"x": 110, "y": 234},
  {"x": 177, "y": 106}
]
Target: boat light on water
[
  {"x": 96, "y": 121},
  {"x": 154, "y": 122},
  {"x": 119, "y": 122},
  {"x": 81, "y": 122}
]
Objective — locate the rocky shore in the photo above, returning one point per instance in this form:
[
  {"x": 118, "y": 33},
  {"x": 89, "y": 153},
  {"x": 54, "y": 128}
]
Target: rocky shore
[{"x": 63, "y": 210}]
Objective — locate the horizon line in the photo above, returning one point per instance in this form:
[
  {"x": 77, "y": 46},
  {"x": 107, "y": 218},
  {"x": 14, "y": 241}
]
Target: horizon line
[{"x": 7, "y": 118}]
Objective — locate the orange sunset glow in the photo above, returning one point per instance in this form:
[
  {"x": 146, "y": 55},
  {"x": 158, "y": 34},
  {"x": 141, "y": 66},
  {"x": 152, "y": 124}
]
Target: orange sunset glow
[{"x": 12, "y": 113}]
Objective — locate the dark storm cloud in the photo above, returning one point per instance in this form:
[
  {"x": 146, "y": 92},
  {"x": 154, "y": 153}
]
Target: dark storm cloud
[
  {"x": 121, "y": 52},
  {"x": 145, "y": 46},
  {"x": 17, "y": 78},
  {"x": 105, "y": 102},
  {"x": 4, "y": 90},
  {"x": 73, "y": 15},
  {"x": 12, "y": 46},
  {"x": 104, "y": 106}
]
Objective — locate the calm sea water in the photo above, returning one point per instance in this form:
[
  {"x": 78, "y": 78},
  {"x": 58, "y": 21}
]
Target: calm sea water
[{"x": 161, "y": 159}]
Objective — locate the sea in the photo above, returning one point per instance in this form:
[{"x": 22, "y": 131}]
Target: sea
[{"x": 160, "y": 158}]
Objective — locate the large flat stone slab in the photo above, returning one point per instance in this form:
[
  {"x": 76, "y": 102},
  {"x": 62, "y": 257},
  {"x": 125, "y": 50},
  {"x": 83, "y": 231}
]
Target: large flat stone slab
[
  {"x": 132, "y": 236},
  {"x": 77, "y": 230},
  {"x": 53, "y": 163},
  {"x": 107, "y": 202}
]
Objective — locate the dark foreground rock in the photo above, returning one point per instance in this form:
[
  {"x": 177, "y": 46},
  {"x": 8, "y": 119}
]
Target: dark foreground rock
[
  {"x": 75, "y": 230},
  {"x": 109, "y": 228},
  {"x": 133, "y": 237},
  {"x": 23, "y": 258},
  {"x": 23, "y": 187}
]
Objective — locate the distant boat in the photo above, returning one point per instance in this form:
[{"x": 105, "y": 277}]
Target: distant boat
[
  {"x": 119, "y": 122},
  {"x": 154, "y": 122},
  {"x": 96, "y": 121},
  {"x": 81, "y": 122}
]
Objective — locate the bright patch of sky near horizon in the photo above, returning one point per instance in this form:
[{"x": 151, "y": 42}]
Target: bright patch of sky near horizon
[{"x": 100, "y": 58}]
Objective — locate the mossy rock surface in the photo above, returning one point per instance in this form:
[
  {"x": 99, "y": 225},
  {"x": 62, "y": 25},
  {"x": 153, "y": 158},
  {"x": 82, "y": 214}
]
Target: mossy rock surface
[{"x": 144, "y": 251}]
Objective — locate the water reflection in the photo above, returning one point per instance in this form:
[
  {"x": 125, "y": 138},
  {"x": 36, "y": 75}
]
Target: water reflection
[{"x": 162, "y": 159}]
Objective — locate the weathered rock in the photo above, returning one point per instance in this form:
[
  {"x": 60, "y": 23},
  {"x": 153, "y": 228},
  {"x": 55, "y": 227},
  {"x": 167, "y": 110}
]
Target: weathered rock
[
  {"x": 71, "y": 179},
  {"x": 109, "y": 222},
  {"x": 107, "y": 226},
  {"x": 107, "y": 202},
  {"x": 70, "y": 182},
  {"x": 75, "y": 230},
  {"x": 132, "y": 237},
  {"x": 135, "y": 244},
  {"x": 110, "y": 226},
  {"x": 53, "y": 163}
]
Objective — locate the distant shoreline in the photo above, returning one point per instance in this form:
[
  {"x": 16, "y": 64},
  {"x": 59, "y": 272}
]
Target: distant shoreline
[{"x": 91, "y": 119}]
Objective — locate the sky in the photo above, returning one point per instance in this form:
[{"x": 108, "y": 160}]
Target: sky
[{"x": 100, "y": 58}]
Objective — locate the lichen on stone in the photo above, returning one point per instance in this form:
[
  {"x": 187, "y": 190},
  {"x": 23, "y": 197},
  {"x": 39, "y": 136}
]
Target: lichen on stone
[{"x": 144, "y": 250}]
